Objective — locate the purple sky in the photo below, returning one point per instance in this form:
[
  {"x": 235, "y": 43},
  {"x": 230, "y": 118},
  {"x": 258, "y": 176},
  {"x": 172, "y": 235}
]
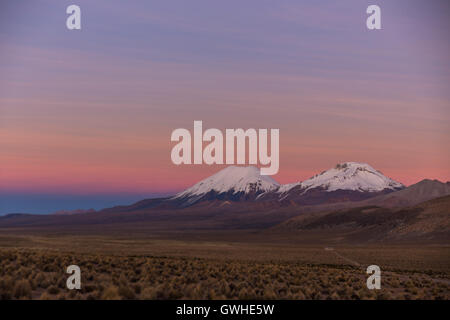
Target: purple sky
[{"x": 90, "y": 112}]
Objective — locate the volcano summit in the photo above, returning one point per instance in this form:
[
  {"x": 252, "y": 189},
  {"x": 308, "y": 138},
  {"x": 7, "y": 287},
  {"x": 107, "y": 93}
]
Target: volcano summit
[{"x": 348, "y": 181}]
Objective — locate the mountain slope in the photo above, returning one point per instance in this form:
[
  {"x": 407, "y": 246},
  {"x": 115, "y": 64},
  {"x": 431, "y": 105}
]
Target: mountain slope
[
  {"x": 348, "y": 181},
  {"x": 429, "y": 220},
  {"x": 353, "y": 176},
  {"x": 240, "y": 198},
  {"x": 412, "y": 195},
  {"x": 232, "y": 183}
]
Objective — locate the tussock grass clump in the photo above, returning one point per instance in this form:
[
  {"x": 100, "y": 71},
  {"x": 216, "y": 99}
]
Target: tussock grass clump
[{"x": 22, "y": 289}]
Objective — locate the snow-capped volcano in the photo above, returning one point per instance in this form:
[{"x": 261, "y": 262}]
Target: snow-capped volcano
[
  {"x": 353, "y": 176},
  {"x": 348, "y": 181},
  {"x": 235, "y": 183}
]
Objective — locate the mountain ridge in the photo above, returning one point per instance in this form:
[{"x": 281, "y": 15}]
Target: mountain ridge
[
  {"x": 428, "y": 220},
  {"x": 347, "y": 181},
  {"x": 374, "y": 219}
]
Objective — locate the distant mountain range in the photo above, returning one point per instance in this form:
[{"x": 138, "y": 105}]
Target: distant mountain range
[
  {"x": 350, "y": 201},
  {"x": 70, "y": 212},
  {"x": 349, "y": 181}
]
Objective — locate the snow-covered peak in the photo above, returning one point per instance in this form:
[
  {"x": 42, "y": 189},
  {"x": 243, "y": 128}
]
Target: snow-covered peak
[
  {"x": 351, "y": 176},
  {"x": 238, "y": 183},
  {"x": 235, "y": 179}
]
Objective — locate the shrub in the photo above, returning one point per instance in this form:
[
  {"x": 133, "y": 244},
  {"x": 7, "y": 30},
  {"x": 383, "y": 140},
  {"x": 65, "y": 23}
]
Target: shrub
[
  {"x": 148, "y": 293},
  {"x": 53, "y": 290},
  {"x": 126, "y": 293},
  {"x": 111, "y": 293},
  {"x": 45, "y": 296},
  {"x": 22, "y": 289}
]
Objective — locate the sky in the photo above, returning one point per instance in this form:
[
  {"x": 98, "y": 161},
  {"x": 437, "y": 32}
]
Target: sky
[{"x": 86, "y": 115}]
